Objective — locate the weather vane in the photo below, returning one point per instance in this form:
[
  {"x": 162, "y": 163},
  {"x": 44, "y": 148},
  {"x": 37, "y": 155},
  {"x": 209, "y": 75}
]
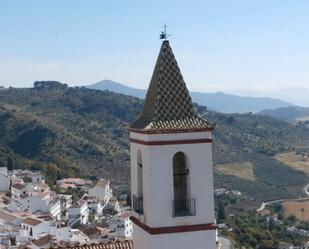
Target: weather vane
[{"x": 163, "y": 34}]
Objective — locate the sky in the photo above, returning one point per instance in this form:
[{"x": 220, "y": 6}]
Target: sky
[{"x": 256, "y": 47}]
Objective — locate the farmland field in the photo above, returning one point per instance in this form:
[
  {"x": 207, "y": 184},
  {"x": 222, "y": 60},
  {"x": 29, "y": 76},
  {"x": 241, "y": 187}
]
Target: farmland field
[
  {"x": 295, "y": 208},
  {"x": 296, "y": 161},
  {"x": 241, "y": 170}
]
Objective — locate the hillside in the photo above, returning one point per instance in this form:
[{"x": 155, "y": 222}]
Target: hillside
[
  {"x": 226, "y": 103},
  {"x": 291, "y": 113},
  {"x": 78, "y": 131}
]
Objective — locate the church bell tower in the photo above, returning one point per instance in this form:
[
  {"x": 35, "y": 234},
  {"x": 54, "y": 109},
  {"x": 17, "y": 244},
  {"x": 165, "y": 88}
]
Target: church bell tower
[{"x": 171, "y": 166}]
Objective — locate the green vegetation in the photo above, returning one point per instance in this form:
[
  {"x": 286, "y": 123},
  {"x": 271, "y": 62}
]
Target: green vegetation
[
  {"x": 69, "y": 131},
  {"x": 250, "y": 229}
]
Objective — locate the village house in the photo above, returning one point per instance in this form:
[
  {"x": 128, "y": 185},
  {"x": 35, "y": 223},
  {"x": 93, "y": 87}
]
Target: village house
[
  {"x": 95, "y": 206},
  {"x": 121, "y": 225},
  {"x": 71, "y": 236},
  {"x": 75, "y": 183},
  {"x": 33, "y": 176},
  {"x": 34, "y": 197},
  {"x": 34, "y": 229},
  {"x": 78, "y": 214},
  {"x": 101, "y": 190},
  {"x": 65, "y": 203},
  {"x": 18, "y": 190}
]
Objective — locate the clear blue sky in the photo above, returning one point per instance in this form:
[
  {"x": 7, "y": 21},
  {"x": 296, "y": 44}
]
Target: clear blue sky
[{"x": 220, "y": 45}]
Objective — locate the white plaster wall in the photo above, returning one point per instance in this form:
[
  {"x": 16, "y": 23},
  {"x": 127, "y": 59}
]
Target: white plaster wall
[
  {"x": 54, "y": 209},
  {"x": 35, "y": 204},
  {"x": 4, "y": 183},
  {"x": 192, "y": 240},
  {"x": 128, "y": 228},
  {"x": 41, "y": 228},
  {"x": 101, "y": 194},
  {"x": 97, "y": 192},
  {"x": 158, "y": 178}
]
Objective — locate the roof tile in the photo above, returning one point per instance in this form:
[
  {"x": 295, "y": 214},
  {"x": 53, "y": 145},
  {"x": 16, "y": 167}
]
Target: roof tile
[
  {"x": 108, "y": 245},
  {"x": 168, "y": 105}
]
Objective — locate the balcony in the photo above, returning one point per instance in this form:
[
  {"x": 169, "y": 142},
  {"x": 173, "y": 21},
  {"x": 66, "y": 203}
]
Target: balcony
[
  {"x": 138, "y": 204},
  {"x": 184, "y": 208}
]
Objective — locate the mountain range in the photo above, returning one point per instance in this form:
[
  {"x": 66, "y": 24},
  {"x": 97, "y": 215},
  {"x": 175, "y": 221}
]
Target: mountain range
[
  {"x": 75, "y": 131},
  {"x": 290, "y": 113},
  {"x": 221, "y": 102}
]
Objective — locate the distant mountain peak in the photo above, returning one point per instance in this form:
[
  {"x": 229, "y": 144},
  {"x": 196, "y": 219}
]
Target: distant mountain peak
[{"x": 219, "y": 101}]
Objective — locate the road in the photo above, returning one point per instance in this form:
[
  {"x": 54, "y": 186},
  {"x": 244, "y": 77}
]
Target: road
[
  {"x": 306, "y": 189},
  {"x": 264, "y": 204},
  {"x": 225, "y": 243}
]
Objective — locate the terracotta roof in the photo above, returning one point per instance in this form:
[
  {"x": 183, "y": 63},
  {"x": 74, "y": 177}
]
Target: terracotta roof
[
  {"x": 108, "y": 245},
  {"x": 7, "y": 217},
  {"x": 31, "y": 222},
  {"x": 46, "y": 217},
  {"x": 168, "y": 105},
  {"x": 89, "y": 230},
  {"x": 18, "y": 186},
  {"x": 43, "y": 241}
]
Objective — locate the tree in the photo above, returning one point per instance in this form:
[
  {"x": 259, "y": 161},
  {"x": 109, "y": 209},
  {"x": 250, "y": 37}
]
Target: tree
[
  {"x": 221, "y": 213},
  {"x": 10, "y": 163}
]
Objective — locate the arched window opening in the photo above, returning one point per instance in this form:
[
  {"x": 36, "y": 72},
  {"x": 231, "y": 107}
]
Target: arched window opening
[
  {"x": 138, "y": 198},
  {"x": 182, "y": 204},
  {"x": 139, "y": 174}
]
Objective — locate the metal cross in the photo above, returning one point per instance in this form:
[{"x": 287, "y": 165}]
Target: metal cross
[{"x": 163, "y": 34}]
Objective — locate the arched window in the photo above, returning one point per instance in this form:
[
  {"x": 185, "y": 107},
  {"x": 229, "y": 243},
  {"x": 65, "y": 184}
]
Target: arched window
[
  {"x": 138, "y": 197},
  {"x": 182, "y": 204},
  {"x": 180, "y": 172},
  {"x": 139, "y": 174}
]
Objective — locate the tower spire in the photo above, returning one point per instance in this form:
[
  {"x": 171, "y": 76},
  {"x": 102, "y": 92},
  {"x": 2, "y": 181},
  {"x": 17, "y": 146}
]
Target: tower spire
[{"x": 168, "y": 104}]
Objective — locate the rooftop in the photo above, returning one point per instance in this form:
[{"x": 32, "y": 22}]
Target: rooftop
[
  {"x": 109, "y": 245},
  {"x": 18, "y": 186},
  {"x": 7, "y": 217},
  {"x": 168, "y": 104},
  {"x": 89, "y": 230},
  {"x": 31, "y": 222},
  {"x": 43, "y": 241}
]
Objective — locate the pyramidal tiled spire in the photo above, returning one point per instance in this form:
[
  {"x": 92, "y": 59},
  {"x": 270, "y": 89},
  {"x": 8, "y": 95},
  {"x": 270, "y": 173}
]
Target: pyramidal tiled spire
[{"x": 168, "y": 105}]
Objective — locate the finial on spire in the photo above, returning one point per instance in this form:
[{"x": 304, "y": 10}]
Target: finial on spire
[{"x": 163, "y": 34}]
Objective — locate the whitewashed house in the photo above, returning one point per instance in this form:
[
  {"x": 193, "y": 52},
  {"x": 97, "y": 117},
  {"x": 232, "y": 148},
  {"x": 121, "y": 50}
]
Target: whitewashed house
[
  {"x": 78, "y": 214},
  {"x": 4, "y": 180},
  {"x": 34, "y": 229},
  {"x": 101, "y": 190},
  {"x": 18, "y": 190},
  {"x": 65, "y": 203},
  {"x": 121, "y": 225},
  {"x": 69, "y": 235},
  {"x": 95, "y": 206},
  {"x": 36, "y": 176},
  {"x": 78, "y": 183},
  {"x": 35, "y": 197}
]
